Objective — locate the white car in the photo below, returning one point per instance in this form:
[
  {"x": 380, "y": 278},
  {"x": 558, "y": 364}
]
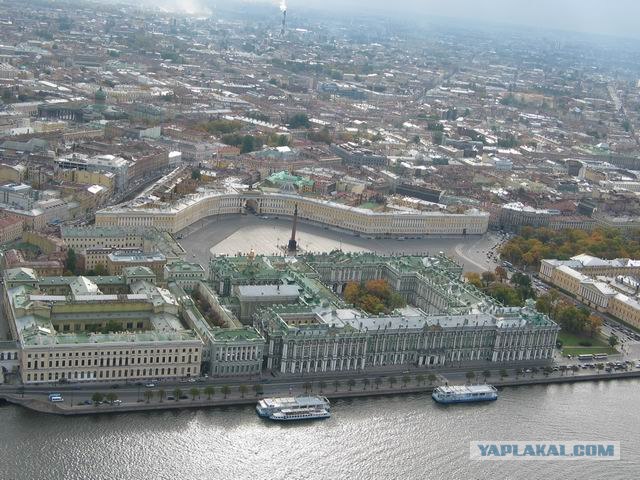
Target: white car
[{"x": 150, "y": 385}]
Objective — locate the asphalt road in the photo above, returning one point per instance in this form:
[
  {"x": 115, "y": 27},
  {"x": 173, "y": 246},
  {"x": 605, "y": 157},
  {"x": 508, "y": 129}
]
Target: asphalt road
[{"x": 75, "y": 394}]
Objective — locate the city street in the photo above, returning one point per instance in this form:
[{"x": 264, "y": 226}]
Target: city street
[{"x": 388, "y": 382}]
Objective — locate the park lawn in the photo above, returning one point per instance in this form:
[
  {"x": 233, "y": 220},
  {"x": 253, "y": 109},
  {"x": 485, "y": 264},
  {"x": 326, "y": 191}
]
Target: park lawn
[
  {"x": 586, "y": 350},
  {"x": 571, "y": 344}
]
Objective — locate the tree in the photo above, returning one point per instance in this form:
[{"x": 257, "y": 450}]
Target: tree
[
  {"x": 420, "y": 378},
  {"x": 547, "y": 370},
  {"x": 613, "y": 341},
  {"x": 100, "y": 270},
  {"x": 488, "y": 278},
  {"x": 299, "y": 120},
  {"x": 322, "y": 385},
  {"x": 161, "y": 394},
  {"x": 177, "y": 393},
  {"x": 534, "y": 371},
  {"x": 486, "y": 374},
  {"x": 392, "y": 381},
  {"x": 195, "y": 392},
  {"x": 365, "y": 383},
  {"x": 501, "y": 273},
  {"x": 336, "y": 385},
  {"x": 474, "y": 279},
  {"x": 503, "y": 374},
  {"x": 470, "y": 376},
  {"x": 196, "y": 174},
  {"x": 248, "y": 144},
  {"x": 97, "y": 398},
  {"x": 307, "y": 387},
  {"x": 505, "y": 294},
  {"x": 574, "y": 369},
  {"x": 594, "y": 324},
  {"x": 111, "y": 397},
  {"x": 600, "y": 367},
  {"x": 352, "y": 292},
  {"x": 352, "y": 383},
  {"x": 258, "y": 389},
  {"x": 148, "y": 395},
  {"x": 378, "y": 382},
  {"x": 405, "y": 380},
  {"x": 225, "y": 390},
  {"x": 432, "y": 378},
  {"x": 72, "y": 261},
  {"x": 243, "y": 390}
]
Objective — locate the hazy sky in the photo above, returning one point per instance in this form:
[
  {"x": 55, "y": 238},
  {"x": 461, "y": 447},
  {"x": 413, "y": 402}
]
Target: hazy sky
[{"x": 618, "y": 17}]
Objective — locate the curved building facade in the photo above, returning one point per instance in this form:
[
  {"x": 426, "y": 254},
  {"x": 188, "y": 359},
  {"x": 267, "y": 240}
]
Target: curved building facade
[{"x": 176, "y": 216}]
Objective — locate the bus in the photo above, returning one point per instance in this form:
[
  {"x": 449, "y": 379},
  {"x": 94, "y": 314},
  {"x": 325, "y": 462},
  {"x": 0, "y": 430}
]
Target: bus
[
  {"x": 585, "y": 356},
  {"x": 55, "y": 397},
  {"x": 600, "y": 356}
]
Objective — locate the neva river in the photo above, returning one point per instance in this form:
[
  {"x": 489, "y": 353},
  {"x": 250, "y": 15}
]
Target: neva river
[{"x": 403, "y": 437}]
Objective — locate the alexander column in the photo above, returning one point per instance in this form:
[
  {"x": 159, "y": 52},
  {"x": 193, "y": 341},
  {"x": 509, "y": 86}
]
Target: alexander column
[{"x": 292, "y": 247}]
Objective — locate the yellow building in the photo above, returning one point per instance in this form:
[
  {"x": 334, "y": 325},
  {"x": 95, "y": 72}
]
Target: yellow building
[
  {"x": 626, "y": 309},
  {"x": 175, "y": 216},
  {"x": 10, "y": 228},
  {"x": 69, "y": 328},
  {"x": 12, "y": 173}
]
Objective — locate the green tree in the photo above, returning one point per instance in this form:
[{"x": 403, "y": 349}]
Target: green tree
[
  {"x": 177, "y": 393},
  {"x": 488, "y": 278},
  {"x": 352, "y": 383},
  {"x": 365, "y": 383},
  {"x": 248, "y": 144},
  {"x": 432, "y": 378},
  {"x": 162, "y": 394},
  {"x": 600, "y": 367},
  {"x": 392, "y": 381},
  {"x": 503, "y": 374},
  {"x": 71, "y": 264},
  {"x": 196, "y": 174},
  {"x": 97, "y": 398},
  {"x": 405, "y": 380},
  {"x": 195, "y": 392},
  {"x": 209, "y": 391},
  {"x": 613, "y": 341},
  {"x": 486, "y": 374},
  {"x": 378, "y": 382},
  {"x": 243, "y": 390},
  {"x": 148, "y": 395},
  {"x": 470, "y": 376},
  {"x": 534, "y": 371},
  {"x": 307, "y": 387},
  {"x": 420, "y": 378},
  {"x": 336, "y": 385},
  {"x": 258, "y": 389},
  {"x": 111, "y": 397},
  {"x": 100, "y": 270},
  {"x": 322, "y": 385},
  {"x": 226, "y": 390},
  {"x": 299, "y": 120}
]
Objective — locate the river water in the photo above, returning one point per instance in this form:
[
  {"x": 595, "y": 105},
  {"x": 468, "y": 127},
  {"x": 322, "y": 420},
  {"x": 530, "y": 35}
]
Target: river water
[{"x": 403, "y": 437}]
